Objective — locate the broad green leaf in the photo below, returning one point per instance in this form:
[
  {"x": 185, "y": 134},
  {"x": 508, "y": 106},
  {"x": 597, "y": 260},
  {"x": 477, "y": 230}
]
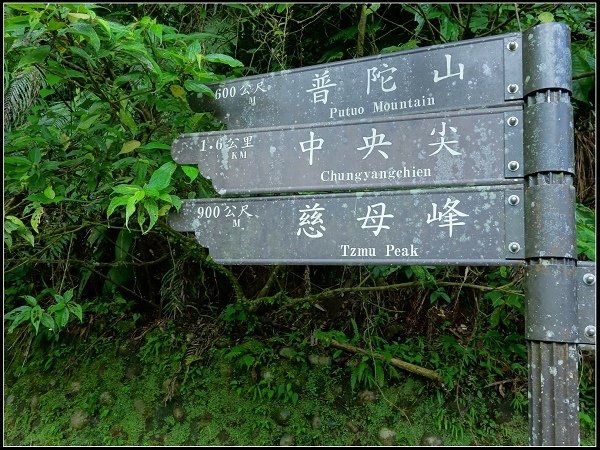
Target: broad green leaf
[
  {"x": 165, "y": 78},
  {"x": 44, "y": 92},
  {"x": 18, "y": 161},
  {"x": 83, "y": 54},
  {"x": 177, "y": 91},
  {"x": 35, "y": 56},
  {"x": 151, "y": 192},
  {"x": 116, "y": 201},
  {"x": 68, "y": 295},
  {"x": 164, "y": 210},
  {"x": 191, "y": 171},
  {"x": 16, "y": 221},
  {"x": 193, "y": 49},
  {"x": 17, "y": 312},
  {"x": 48, "y": 321},
  {"x": 26, "y": 234},
  {"x": 57, "y": 307},
  {"x": 35, "y": 155},
  {"x": 76, "y": 310},
  {"x": 165, "y": 197},
  {"x": 9, "y": 227},
  {"x": 139, "y": 52},
  {"x": 141, "y": 219},
  {"x": 127, "y": 120},
  {"x": 153, "y": 145},
  {"x": 62, "y": 317},
  {"x": 31, "y": 300},
  {"x": 105, "y": 25},
  {"x": 140, "y": 169},
  {"x": 161, "y": 177},
  {"x": 126, "y": 189},
  {"x": 546, "y": 17},
  {"x": 76, "y": 16},
  {"x": 54, "y": 25},
  {"x": 129, "y": 146},
  {"x": 152, "y": 208},
  {"x": 65, "y": 72},
  {"x": 223, "y": 59},
  {"x": 139, "y": 195},
  {"x": 176, "y": 202},
  {"x": 36, "y": 317},
  {"x": 88, "y": 122},
  {"x": 52, "y": 79},
  {"x": 156, "y": 31},
  {"x": 129, "y": 209},
  {"x": 86, "y": 30},
  {"x": 36, "y": 217},
  {"x": 22, "y": 314},
  {"x": 495, "y": 318},
  {"x": 49, "y": 192},
  {"x": 196, "y": 86}
]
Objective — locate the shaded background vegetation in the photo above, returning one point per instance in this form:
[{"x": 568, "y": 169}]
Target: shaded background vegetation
[{"x": 93, "y": 97}]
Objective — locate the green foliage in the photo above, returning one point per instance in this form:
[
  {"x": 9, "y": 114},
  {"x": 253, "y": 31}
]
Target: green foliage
[
  {"x": 147, "y": 196},
  {"x": 54, "y": 318},
  {"x": 12, "y": 223},
  {"x": 125, "y": 101},
  {"x": 586, "y": 232},
  {"x": 368, "y": 373},
  {"x": 93, "y": 101},
  {"x": 235, "y": 315},
  {"x": 164, "y": 349}
]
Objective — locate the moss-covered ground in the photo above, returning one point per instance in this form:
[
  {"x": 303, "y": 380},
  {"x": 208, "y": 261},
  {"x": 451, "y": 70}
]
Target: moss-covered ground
[{"x": 117, "y": 399}]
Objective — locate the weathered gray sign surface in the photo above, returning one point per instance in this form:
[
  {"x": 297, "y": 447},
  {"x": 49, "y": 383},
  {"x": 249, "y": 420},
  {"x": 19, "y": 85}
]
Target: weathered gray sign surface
[
  {"x": 468, "y": 74},
  {"x": 475, "y": 226},
  {"x": 457, "y": 148}
]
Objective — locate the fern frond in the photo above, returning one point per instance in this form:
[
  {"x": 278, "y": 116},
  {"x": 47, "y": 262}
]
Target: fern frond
[
  {"x": 58, "y": 115},
  {"x": 21, "y": 94}
]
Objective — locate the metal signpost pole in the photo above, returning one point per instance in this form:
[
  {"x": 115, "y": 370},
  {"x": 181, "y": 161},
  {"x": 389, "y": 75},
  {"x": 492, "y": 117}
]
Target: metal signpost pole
[{"x": 551, "y": 321}]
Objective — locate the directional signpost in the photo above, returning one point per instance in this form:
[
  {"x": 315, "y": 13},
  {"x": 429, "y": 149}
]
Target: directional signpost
[
  {"x": 476, "y": 226},
  {"x": 470, "y": 74},
  {"x": 454, "y": 149},
  {"x": 459, "y": 154}
]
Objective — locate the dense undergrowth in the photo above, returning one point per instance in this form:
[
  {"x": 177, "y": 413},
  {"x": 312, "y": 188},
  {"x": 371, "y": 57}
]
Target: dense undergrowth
[
  {"x": 147, "y": 390},
  {"x": 96, "y": 283}
]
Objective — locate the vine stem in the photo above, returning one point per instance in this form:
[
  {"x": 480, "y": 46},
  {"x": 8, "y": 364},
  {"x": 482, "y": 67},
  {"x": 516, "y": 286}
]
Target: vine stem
[
  {"x": 328, "y": 293},
  {"x": 432, "y": 375}
]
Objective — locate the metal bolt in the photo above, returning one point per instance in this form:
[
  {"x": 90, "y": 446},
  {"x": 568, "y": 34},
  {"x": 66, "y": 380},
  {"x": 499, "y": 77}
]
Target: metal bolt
[
  {"x": 513, "y": 166},
  {"x": 590, "y": 331},
  {"x": 589, "y": 279},
  {"x": 512, "y": 121},
  {"x": 513, "y": 200},
  {"x": 514, "y": 247},
  {"x": 512, "y": 46},
  {"x": 513, "y": 88}
]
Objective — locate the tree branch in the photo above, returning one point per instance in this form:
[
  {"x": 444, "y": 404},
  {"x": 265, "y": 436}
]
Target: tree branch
[{"x": 432, "y": 375}]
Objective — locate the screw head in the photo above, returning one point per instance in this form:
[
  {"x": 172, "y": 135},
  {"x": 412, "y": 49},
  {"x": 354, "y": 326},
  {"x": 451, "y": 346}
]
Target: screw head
[
  {"x": 514, "y": 247},
  {"x": 512, "y": 88},
  {"x": 513, "y": 166},
  {"x": 512, "y": 121},
  {"x": 590, "y": 331},
  {"x": 513, "y": 200},
  {"x": 589, "y": 279},
  {"x": 512, "y": 46}
]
